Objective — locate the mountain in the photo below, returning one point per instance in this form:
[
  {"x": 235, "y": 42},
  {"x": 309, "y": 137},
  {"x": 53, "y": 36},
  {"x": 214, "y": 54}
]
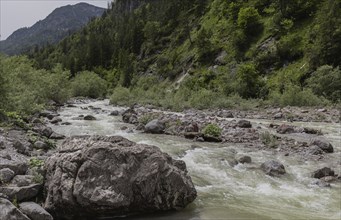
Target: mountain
[{"x": 60, "y": 23}]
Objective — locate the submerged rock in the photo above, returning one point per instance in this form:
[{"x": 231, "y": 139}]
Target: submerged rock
[
  {"x": 273, "y": 168},
  {"x": 106, "y": 176}
]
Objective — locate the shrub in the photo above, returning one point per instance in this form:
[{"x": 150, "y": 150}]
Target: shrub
[
  {"x": 326, "y": 81},
  {"x": 212, "y": 130},
  {"x": 268, "y": 139},
  {"x": 35, "y": 162},
  {"x": 88, "y": 84},
  {"x": 249, "y": 20},
  {"x": 121, "y": 96}
]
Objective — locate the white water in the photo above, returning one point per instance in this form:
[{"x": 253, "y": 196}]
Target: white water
[{"x": 225, "y": 192}]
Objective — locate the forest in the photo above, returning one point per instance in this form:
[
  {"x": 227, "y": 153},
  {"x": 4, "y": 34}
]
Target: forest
[{"x": 188, "y": 54}]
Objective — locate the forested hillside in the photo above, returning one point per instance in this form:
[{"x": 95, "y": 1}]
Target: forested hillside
[{"x": 210, "y": 53}]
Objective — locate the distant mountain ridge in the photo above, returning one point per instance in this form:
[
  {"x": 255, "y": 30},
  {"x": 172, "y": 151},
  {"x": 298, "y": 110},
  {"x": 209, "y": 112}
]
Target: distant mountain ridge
[{"x": 57, "y": 25}]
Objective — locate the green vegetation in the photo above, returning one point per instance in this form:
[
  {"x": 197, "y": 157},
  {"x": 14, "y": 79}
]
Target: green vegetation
[
  {"x": 189, "y": 53},
  {"x": 269, "y": 139},
  {"x": 35, "y": 162},
  {"x": 212, "y": 130}
]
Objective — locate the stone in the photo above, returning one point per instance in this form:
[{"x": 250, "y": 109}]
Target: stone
[
  {"x": 17, "y": 164},
  {"x": 278, "y": 115},
  {"x": 55, "y": 120},
  {"x": 98, "y": 175},
  {"x": 315, "y": 150},
  {"x": 34, "y": 211},
  {"x": 21, "y": 193},
  {"x": 320, "y": 173},
  {"x": 155, "y": 127},
  {"x": 325, "y": 146},
  {"x": 244, "y": 124},
  {"x": 57, "y": 136},
  {"x": 130, "y": 116},
  {"x": 6, "y": 175},
  {"x": 89, "y": 118},
  {"x": 285, "y": 129},
  {"x": 210, "y": 138},
  {"x": 41, "y": 145},
  {"x": 66, "y": 123},
  {"x": 21, "y": 148},
  {"x": 273, "y": 168},
  {"x": 114, "y": 113},
  {"x": 244, "y": 159},
  {"x": 9, "y": 212},
  {"x": 47, "y": 131},
  {"x": 192, "y": 135},
  {"x": 23, "y": 180}
]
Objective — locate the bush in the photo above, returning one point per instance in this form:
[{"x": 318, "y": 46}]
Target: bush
[
  {"x": 249, "y": 84},
  {"x": 249, "y": 20},
  {"x": 88, "y": 84},
  {"x": 268, "y": 139},
  {"x": 212, "y": 130},
  {"x": 326, "y": 81},
  {"x": 121, "y": 96}
]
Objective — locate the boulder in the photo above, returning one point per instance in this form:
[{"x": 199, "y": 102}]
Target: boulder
[
  {"x": 273, "y": 168},
  {"x": 9, "y": 212},
  {"x": 89, "y": 118},
  {"x": 315, "y": 150},
  {"x": 325, "y": 146},
  {"x": 41, "y": 145},
  {"x": 130, "y": 116},
  {"x": 114, "y": 113},
  {"x": 34, "y": 211},
  {"x": 22, "y": 148},
  {"x": 94, "y": 176},
  {"x": 244, "y": 159},
  {"x": 6, "y": 175},
  {"x": 285, "y": 129},
  {"x": 210, "y": 138},
  {"x": 320, "y": 173},
  {"x": 17, "y": 163},
  {"x": 21, "y": 193},
  {"x": 155, "y": 127},
  {"x": 193, "y": 135},
  {"x": 57, "y": 136},
  {"x": 55, "y": 120},
  {"x": 23, "y": 180},
  {"x": 244, "y": 124}
]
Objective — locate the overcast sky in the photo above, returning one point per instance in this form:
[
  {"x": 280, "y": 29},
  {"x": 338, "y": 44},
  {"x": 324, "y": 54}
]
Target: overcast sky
[{"x": 15, "y": 14}]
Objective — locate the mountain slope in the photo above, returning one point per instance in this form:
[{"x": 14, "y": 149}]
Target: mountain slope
[{"x": 60, "y": 23}]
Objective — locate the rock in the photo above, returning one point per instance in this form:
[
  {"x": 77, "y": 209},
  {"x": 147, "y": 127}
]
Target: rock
[
  {"x": 34, "y": 211},
  {"x": 325, "y": 146},
  {"x": 45, "y": 113},
  {"x": 311, "y": 131},
  {"x": 273, "y": 168},
  {"x": 320, "y": 173},
  {"x": 17, "y": 164},
  {"x": 114, "y": 113},
  {"x": 57, "y": 136},
  {"x": 41, "y": 145},
  {"x": 209, "y": 138},
  {"x": 9, "y": 212},
  {"x": 55, "y": 120},
  {"x": 244, "y": 124},
  {"x": 155, "y": 127},
  {"x": 244, "y": 159},
  {"x": 322, "y": 110},
  {"x": 98, "y": 175},
  {"x": 21, "y": 193},
  {"x": 89, "y": 118},
  {"x": 140, "y": 127},
  {"x": 123, "y": 128},
  {"x": 193, "y": 127},
  {"x": 192, "y": 135},
  {"x": 285, "y": 129},
  {"x": 130, "y": 116},
  {"x": 23, "y": 180},
  {"x": 278, "y": 115},
  {"x": 21, "y": 148},
  {"x": 66, "y": 123},
  {"x": 47, "y": 131},
  {"x": 36, "y": 121},
  {"x": 315, "y": 150},
  {"x": 6, "y": 175},
  {"x": 200, "y": 139},
  {"x": 220, "y": 60},
  {"x": 321, "y": 183}
]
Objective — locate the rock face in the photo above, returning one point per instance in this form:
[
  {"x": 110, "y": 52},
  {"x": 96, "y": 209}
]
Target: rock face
[
  {"x": 106, "y": 176},
  {"x": 273, "y": 168},
  {"x": 9, "y": 212},
  {"x": 155, "y": 127},
  {"x": 34, "y": 211}
]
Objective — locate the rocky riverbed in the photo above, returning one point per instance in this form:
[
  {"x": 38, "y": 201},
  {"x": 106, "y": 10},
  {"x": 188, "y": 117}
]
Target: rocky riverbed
[{"x": 258, "y": 154}]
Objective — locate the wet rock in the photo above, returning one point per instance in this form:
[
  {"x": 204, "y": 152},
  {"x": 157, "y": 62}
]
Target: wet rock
[
  {"x": 114, "y": 113},
  {"x": 66, "y": 123},
  {"x": 89, "y": 118},
  {"x": 244, "y": 159},
  {"x": 21, "y": 193},
  {"x": 155, "y": 127},
  {"x": 315, "y": 150},
  {"x": 45, "y": 113},
  {"x": 9, "y": 212},
  {"x": 321, "y": 183},
  {"x": 285, "y": 129},
  {"x": 36, "y": 121},
  {"x": 6, "y": 175},
  {"x": 209, "y": 138},
  {"x": 192, "y": 135},
  {"x": 200, "y": 139},
  {"x": 325, "y": 146},
  {"x": 34, "y": 211},
  {"x": 278, "y": 115},
  {"x": 98, "y": 175},
  {"x": 273, "y": 168},
  {"x": 140, "y": 127},
  {"x": 244, "y": 124},
  {"x": 312, "y": 131},
  {"x": 57, "y": 136},
  {"x": 23, "y": 180},
  {"x": 123, "y": 128},
  {"x": 55, "y": 120},
  {"x": 322, "y": 110},
  {"x": 41, "y": 145},
  {"x": 130, "y": 116},
  {"x": 232, "y": 162},
  {"x": 325, "y": 171}
]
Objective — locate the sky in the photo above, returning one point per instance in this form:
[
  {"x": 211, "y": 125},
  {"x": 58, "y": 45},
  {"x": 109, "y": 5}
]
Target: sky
[{"x": 15, "y": 14}]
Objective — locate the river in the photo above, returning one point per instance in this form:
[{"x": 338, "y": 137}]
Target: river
[{"x": 226, "y": 192}]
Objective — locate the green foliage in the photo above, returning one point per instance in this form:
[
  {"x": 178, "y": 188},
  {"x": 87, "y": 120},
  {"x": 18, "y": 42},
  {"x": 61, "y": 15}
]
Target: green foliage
[
  {"x": 269, "y": 139},
  {"x": 326, "y": 81},
  {"x": 88, "y": 84},
  {"x": 38, "y": 178},
  {"x": 212, "y": 130},
  {"x": 249, "y": 20},
  {"x": 35, "y": 162},
  {"x": 148, "y": 118},
  {"x": 249, "y": 83}
]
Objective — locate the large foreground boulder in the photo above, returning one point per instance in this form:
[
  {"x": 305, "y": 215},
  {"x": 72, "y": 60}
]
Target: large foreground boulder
[
  {"x": 155, "y": 127},
  {"x": 9, "y": 212},
  {"x": 107, "y": 176}
]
